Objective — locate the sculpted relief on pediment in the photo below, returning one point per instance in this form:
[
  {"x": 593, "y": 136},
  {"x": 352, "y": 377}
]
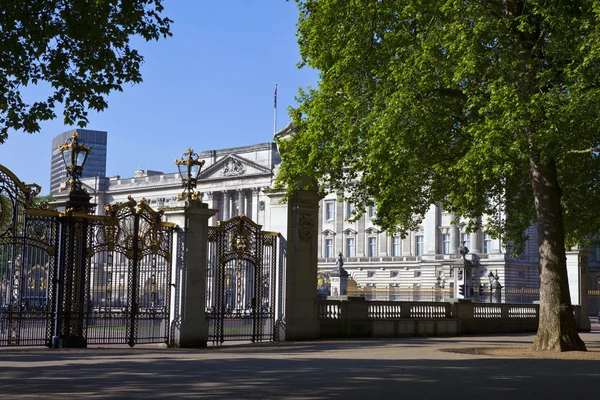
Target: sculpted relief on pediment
[{"x": 233, "y": 167}]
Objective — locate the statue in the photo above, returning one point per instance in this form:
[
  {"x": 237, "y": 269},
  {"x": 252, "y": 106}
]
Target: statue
[{"x": 340, "y": 261}]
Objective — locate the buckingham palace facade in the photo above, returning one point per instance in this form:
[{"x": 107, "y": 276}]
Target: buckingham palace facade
[{"x": 236, "y": 181}]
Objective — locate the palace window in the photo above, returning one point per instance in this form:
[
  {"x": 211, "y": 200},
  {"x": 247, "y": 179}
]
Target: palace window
[
  {"x": 395, "y": 246},
  {"x": 372, "y": 247},
  {"x": 350, "y": 247},
  {"x": 329, "y": 210},
  {"x": 329, "y": 248},
  {"x": 487, "y": 243},
  {"x": 371, "y": 211},
  {"x": 419, "y": 245},
  {"x": 466, "y": 240},
  {"x": 350, "y": 210},
  {"x": 446, "y": 243}
]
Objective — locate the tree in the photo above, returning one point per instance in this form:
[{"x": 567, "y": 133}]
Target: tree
[
  {"x": 490, "y": 107},
  {"x": 79, "y": 50}
]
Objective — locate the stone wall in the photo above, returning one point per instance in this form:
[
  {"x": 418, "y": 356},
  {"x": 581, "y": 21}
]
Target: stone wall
[{"x": 354, "y": 317}]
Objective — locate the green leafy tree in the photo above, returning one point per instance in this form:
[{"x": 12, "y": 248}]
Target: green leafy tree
[
  {"x": 80, "y": 49},
  {"x": 490, "y": 107}
]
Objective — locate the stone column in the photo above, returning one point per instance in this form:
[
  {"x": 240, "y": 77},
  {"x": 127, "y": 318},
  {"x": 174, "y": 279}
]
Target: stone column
[
  {"x": 297, "y": 220},
  {"x": 189, "y": 322},
  {"x": 241, "y": 209},
  {"x": 454, "y": 237},
  {"x": 256, "y": 205},
  {"x": 476, "y": 242},
  {"x": 225, "y": 214},
  {"x": 431, "y": 233},
  {"x": 407, "y": 245},
  {"x": 210, "y": 200},
  {"x": 577, "y": 271},
  {"x": 339, "y": 228}
]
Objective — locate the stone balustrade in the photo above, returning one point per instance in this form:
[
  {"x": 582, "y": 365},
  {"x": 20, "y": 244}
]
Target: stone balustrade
[{"x": 354, "y": 317}]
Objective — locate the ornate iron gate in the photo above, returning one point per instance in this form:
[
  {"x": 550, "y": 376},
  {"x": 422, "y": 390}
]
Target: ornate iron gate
[
  {"x": 241, "y": 282},
  {"x": 28, "y": 258},
  {"x": 78, "y": 277},
  {"x": 130, "y": 276}
]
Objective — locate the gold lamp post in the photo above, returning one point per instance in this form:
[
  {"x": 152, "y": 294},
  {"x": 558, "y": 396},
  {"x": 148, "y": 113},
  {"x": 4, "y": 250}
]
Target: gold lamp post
[
  {"x": 189, "y": 168},
  {"x": 74, "y": 153}
]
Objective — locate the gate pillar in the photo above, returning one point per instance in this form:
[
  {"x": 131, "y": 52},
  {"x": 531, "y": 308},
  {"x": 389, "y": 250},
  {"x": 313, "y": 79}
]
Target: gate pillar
[
  {"x": 189, "y": 327},
  {"x": 297, "y": 220},
  {"x": 577, "y": 271},
  {"x": 72, "y": 301}
]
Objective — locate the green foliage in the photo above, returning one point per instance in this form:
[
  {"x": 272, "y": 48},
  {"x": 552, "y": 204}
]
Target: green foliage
[
  {"x": 45, "y": 199},
  {"x": 80, "y": 49},
  {"x": 448, "y": 101}
]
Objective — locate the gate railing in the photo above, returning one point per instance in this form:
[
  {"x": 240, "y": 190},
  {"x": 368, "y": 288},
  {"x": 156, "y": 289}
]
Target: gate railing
[
  {"x": 94, "y": 279},
  {"x": 28, "y": 259},
  {"x": 131, "y": 282},
  {"x": 241, "y": 281}
]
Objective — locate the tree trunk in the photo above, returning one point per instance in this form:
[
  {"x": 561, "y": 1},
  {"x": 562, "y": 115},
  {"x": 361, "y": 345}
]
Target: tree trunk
[{"x": 557, "y": 330}]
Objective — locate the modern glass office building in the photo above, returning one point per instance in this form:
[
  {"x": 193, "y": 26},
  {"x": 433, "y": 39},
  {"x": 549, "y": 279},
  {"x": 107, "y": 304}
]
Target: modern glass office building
[{"x": 95, "y": 164}]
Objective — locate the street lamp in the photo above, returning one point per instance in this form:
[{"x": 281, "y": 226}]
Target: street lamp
[
  {"x": 491, "y": 279},
  {"x": 74, "y": 153},
  {"x": 189, "y": 168}
]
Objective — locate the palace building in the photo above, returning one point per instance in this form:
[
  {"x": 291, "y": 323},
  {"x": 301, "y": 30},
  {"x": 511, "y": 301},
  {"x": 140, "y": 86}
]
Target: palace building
[{"x": 236, "y": 181}]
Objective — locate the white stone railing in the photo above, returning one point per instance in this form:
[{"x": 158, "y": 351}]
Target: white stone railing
[
  {"x": 430, "y": 310},
  {"x": 487, "y": 311},
  {"x": 327, "y": 309},
  {"x": 355, "y": 317},
  {"x": 523, "y": 311},
  {"x": 384, "y": 310}
]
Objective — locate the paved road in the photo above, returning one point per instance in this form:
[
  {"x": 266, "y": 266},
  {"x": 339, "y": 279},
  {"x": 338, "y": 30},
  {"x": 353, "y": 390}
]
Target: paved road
[{"x": 414, "y": 368}]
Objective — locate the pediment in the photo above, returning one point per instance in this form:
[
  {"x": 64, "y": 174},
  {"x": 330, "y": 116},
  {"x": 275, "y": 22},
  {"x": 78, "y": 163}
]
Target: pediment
[
  {"x": 350, "y": 231},
  {"x": 371, "y": 230},
  {"x": 328, "y": 232},
  {"x": 232, "y": 166}
]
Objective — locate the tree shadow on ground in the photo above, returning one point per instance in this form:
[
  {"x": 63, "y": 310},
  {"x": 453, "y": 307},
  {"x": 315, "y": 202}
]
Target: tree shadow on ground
[{"x": 344, "y": 370}]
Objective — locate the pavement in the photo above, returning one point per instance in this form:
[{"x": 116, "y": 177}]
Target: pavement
[{"x": 409, "y": 368}]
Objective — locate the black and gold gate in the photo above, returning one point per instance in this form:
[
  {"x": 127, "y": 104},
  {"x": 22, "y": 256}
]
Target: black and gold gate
[
  {"x": 73, "y": 278},
  {"x": 130, "y": 276},
  {"x": 28, "y": 259},
  {"x": 241, "y": 282}
]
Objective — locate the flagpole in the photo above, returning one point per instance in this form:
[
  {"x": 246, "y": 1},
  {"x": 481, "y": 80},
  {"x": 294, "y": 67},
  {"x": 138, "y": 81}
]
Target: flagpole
[{"x": 275, "y": 111}]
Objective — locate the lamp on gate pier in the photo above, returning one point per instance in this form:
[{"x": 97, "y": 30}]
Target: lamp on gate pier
[
  {"x": 189, "y": 166},
  {"x": 74, "y": 153}
]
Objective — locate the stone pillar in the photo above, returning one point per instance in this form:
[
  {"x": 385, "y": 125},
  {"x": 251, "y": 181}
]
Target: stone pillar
[
  {"x": 476, "y": 242},
  {"x": 189, "y": 321},
  {"x": 577, "y": 271},
  {"x": 431, "y": 233},
  {"x": 256, "y": 205},
  {"x": 210, "y": 199},
  {"x": 454, "y": 238},
  {"x": 361, "y": 247},
  {"x": 241, "y": 209},
  {"x": 406, "y": 245},
  {"x": 297, "y": 220},
  {"x": 225, "y": 214}
]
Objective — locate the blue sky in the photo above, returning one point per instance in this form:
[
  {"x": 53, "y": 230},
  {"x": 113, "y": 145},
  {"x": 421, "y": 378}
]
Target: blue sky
[{"x": 209, "y": 87}]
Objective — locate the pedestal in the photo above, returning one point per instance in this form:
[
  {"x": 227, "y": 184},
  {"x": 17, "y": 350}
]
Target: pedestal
[{"x": 189, "y": 325}]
